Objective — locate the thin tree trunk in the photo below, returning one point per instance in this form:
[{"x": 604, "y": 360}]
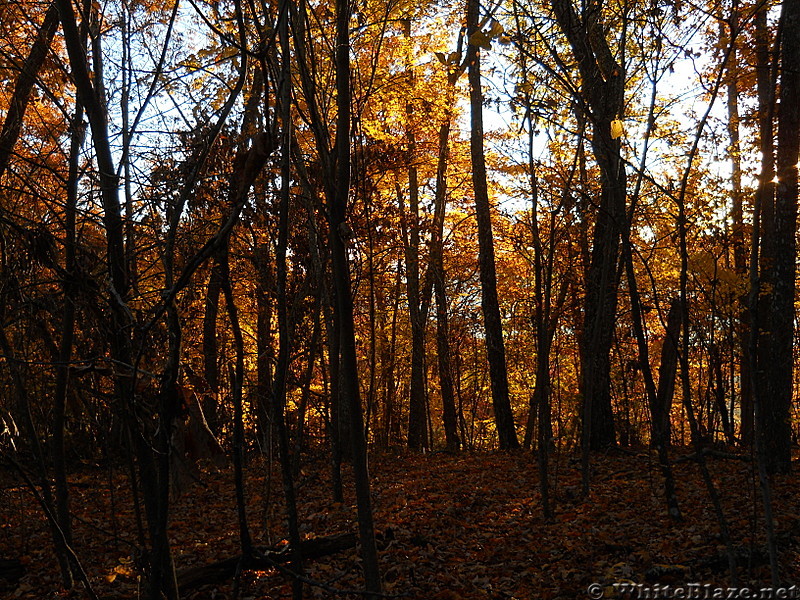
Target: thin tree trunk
[
  {"x": 436, "y": 271},
  {"x": 766, "y": 77},
  {"x": 62, "y": 512},
  {"x": 686, "y": 387},
  {"x": 337, "y": 214},
  {"x": 308, "y": 379},
  {"x": 717, "y": 389},
  {"x": 24, "y": 416},
  {"x": 417, "y": 430},
  {"x": 263, "y": 405},
  {"x": 389, "y": 360},
  {"x": 335, "y": 430},
  {"x": 742, "y": 327},
  {"x": 418, "y": 300},
  {"x": 77, "y": 136},
  {"x": 492, "y": 319},
  {"x": 373, "y": 320},
  {"x": 766, "y": 82},
  {"x": 659, "y": 399},
  {"x": 211, "y": 312},
  {"x": 163, "y": 578},
  {"x": 236, "y": 377},
  {"x": 284, "y": 324}
]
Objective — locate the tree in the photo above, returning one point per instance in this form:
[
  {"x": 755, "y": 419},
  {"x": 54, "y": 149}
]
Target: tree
[
  {"x": 335, "y": 159},
  {"x": 778, "y": 258},
  {"x": 602, "y": 88},
  {"x": 492, "y": 320}
]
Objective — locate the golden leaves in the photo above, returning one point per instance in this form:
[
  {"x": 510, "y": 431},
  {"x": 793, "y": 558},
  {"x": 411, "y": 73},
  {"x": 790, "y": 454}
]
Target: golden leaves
[
  {"x": 616, "y": 129},
  {"x": 483, "y": 37},
  {"x": 448, "y": 60}
]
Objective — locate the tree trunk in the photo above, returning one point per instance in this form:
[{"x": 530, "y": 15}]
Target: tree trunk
[
  {"x": 284, "y": 323},
  {"x": 340, "y": 437},
  {"x": 492, "y": 320},
  {"x": 211, "y": 312},
  {"x": 418, "y": 300},
  {"x": 602, "y": 87},
  {"x": 764, "y": 209},
  {"x": 742, "y": 326},
  {"x": 67, "y": 333},
  {"x": 417, "y": 405},
  {"x": 780, "y": 255},
  {"x": 389, "y": 360},
  {"x": 262, "y": 404},
  {"x": 436, "y": 272},
  {"x": 337, "y": 213}
]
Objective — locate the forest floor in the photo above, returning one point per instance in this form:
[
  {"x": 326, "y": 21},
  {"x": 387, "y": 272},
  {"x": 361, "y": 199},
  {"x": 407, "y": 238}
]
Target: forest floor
[{"x": 451, "y": 527}]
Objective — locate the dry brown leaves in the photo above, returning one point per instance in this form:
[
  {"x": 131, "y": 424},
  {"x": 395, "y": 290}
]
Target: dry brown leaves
[{"x": 450, "y": 527}]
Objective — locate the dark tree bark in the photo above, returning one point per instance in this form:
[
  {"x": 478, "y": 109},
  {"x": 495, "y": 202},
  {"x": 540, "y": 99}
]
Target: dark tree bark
[
  {"x": 779, "y": 254},
  {"x": 337, "y": 195},
  {"x": 90, "y": 97},
  {"x": 262, "y": 403},
  {"x": 67, "y": 331},
  {"x": 742, "y": 324},
  {"x": 285, "y": 326},
  {"x": 210, "y": 355},
  {"x": 418, "y": 401},
  {"x": 77, "y": 137},
  {"x": 25, "y": 417},
  {"x": 602, "y": 88},
  {"x": 449, "y": 416},
  {"x": 236, "y": 378},
  {"x": 372, "y": 386},
  {"x": 305, "y": 394},
  {"x": 418, "y": 298},
  {"x": 339, "y": 434},
  {"x": 667, "y": 372},
  {"x": 763, "y": 209},
  {"x": 492, "y": 320},
  {"x": 388, "y": 360},
  {"x": 661, "y": 404},
  {"x": 763, "y": 222}
]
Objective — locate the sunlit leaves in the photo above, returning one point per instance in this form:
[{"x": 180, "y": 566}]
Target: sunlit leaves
[
  {"x": 483, "y": 38},
  {"x": 616, "y": 129}
]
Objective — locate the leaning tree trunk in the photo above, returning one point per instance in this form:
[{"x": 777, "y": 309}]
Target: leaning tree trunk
[{"x": 12, "y": 124}]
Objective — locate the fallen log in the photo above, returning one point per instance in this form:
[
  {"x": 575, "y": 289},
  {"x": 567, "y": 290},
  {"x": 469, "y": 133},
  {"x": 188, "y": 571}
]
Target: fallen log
[{"x": 223, "y": 570}]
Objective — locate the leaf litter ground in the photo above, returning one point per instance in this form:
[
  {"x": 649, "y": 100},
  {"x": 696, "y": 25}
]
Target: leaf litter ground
[{"x": 450, "y": 527}]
